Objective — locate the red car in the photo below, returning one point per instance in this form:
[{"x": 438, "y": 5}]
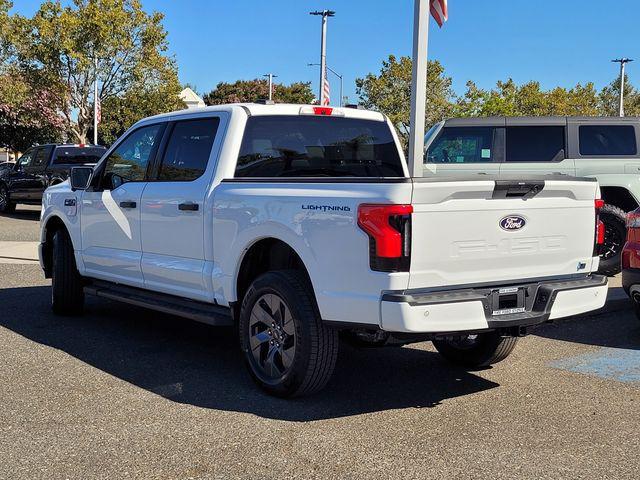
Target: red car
[{"x": 631, "y": 259}]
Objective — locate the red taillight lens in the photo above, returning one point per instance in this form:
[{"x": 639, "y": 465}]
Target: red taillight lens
[
  {"x": 600, "y": 233},
  {"x": 599, "y": 240},
  {"x": 389, "y": 230},
  {"x": 322, "y": 110}
]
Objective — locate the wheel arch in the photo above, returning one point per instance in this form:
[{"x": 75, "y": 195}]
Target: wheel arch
[
  {"x": 620, "y": 197},
  {"x": 52, "y": 225},
  {"x": 263, "y": 255}
]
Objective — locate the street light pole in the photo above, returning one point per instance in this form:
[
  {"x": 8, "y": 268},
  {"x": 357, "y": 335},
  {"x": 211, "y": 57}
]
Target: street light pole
[
  {"x": 336, "y": 74},
  {"x": 271, "y": 76},
  {"x": 622, "y": 62},
  {"x": 325, "y": 14}
]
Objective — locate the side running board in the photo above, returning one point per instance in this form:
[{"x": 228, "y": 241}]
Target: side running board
[{"x": 161, "y": 302}]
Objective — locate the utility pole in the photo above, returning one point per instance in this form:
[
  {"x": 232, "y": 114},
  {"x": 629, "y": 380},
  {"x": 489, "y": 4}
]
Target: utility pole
[
  {"x": 336, "y": 74},
  {"x": 622, "y": 62},
  {"x": 419, "y": 90},
  {"x": 323, "y": 51},
  {"x": 95, "y": 105},
  {"x": 271, "y": 76}
]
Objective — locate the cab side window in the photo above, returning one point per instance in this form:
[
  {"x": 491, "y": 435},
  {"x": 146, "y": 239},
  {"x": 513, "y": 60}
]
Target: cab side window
[
  {"x": 41, "y": 156},
  {"x": 463, "y": 145},
  {"x": 128, "y": 162},
  {"x": 188, "y": 150},
  {"x": 25, "y": 159}
]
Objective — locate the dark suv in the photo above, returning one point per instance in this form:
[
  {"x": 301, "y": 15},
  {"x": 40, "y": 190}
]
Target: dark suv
[{"x": 39, "y": 168}]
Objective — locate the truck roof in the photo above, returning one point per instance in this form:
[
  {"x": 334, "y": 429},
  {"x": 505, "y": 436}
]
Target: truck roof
[
  {"x": 254, "y": 109},
  {"x": 549, "y": 120}
]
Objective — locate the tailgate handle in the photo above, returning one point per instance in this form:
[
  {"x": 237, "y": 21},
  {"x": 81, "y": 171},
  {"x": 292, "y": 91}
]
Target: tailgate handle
[{"x": 517, "y": 189}]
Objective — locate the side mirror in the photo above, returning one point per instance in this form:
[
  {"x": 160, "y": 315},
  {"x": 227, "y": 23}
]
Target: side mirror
[{"x": 80, "y": 177}]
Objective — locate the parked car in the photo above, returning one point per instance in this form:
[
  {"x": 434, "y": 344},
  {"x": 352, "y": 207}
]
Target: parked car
[
  {"x": 40, "y": 167},
  {"x": 605, "y": 148},
  {"x": 299, "y": 221},
  {"x": 631, "y": 260}
]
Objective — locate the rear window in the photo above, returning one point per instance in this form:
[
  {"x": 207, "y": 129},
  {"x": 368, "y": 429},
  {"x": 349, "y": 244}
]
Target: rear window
[
  {"x": 310, "y": 146},
  {"x": 462, "y": 145},
  {"x": 77, "y": 155},
  {"x": 535, "y": 144},
  {"x": 606, "y": 140}
]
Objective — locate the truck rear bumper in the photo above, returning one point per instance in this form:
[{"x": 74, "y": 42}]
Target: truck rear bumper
[{"x": 491, "y": 307}]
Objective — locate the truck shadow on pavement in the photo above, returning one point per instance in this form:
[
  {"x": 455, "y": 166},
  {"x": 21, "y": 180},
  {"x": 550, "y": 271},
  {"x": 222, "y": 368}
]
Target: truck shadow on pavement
[
  {"x": 31, "y": 215},
  {"x": 617, "y": 329},
  {"x": 195, "y": 364}
]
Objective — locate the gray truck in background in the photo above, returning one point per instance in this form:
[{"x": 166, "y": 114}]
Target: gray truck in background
[{"x": 605, "y": 148}]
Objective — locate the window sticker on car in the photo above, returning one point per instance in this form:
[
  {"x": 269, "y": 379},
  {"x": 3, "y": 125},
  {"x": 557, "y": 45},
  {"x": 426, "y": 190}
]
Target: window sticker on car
[{"x": 486, "y": 153}]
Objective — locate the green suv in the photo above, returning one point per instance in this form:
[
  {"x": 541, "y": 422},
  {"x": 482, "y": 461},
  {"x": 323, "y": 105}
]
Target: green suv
[{"x": 602, "y": 147}]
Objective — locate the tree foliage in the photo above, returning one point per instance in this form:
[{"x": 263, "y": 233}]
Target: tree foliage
[
  {"x": 27, "y": 113},
  {"x": 244, "y": 91},
  {"x": 390, "y": 92},
  {"x": 113, "y": 40}
]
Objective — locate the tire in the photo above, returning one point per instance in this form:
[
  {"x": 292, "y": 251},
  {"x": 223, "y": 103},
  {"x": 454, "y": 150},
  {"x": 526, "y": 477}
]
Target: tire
[
  {"x": 67, "y": 295},
  {"x": 292, "y": 357},
  {"x": 6, "y": 205},
  {"x": 615, "y": 235},
  {"x": 476, "y": 351}
]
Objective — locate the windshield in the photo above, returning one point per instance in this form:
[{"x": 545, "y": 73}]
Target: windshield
[{"x": 305, "y": 146}]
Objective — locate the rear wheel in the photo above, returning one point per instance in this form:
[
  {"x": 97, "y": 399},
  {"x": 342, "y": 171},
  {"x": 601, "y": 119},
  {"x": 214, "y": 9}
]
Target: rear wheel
[
  {"x": 615, "y": 235},
  {"x": 480, "y": 350},
  {"x": 287, "y": 348},
  {"x": 6, "y": 205},
  {"x": 67, "y": 295}
]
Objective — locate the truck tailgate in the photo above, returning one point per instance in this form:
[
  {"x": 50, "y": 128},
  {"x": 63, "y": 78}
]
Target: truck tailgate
[{"x": 486, "y": 231}]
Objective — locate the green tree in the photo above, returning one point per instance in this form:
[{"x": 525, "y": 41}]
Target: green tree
[
  {"x": 113, "y": 40},
  {"x": 609, "y": 99},
  {"x": 390, "y": 92},
  {"x": 246, "y": 91}
]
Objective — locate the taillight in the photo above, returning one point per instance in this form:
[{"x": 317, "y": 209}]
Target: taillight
[
  {"x": 389, "y": 230},
  {"x": 599, "y": 227}
]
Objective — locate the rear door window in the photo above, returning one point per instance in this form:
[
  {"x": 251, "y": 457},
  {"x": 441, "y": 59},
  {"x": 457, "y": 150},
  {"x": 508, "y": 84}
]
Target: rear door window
[
  {"x": 188, "y": 150},
  {"x": 315, "y": 146},
  {"x": 607, "y": 140},
  {"x": 463, "y": 145},
  {"x": 77, "y": 155},
  {"x": 535, "y": 144}
]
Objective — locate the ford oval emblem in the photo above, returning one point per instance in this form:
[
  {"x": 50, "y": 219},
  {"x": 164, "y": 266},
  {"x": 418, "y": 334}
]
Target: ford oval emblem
[{"x": 512, "y": 222}]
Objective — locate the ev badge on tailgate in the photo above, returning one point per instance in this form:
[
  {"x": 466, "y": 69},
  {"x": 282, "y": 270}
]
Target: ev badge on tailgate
[{"x": 512, "y": 222}]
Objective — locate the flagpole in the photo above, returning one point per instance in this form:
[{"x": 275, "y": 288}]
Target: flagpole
[
  {"x": 95, "y": 105},
  {"x": 419, "y": 88}
]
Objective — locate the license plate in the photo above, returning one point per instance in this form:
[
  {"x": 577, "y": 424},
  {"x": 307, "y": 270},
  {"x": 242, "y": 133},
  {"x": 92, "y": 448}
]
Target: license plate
[{"x": 508, "y": 301}]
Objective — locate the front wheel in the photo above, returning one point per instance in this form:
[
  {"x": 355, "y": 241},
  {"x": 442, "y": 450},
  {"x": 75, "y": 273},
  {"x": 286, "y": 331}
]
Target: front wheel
[
  {"x": 288, "y": 349},
  {"x": 615, "y": 235},
  {"x": 67, "y": 295},
  {"x": 476, "y": 351},
  {"x": 6, "y": 205}
]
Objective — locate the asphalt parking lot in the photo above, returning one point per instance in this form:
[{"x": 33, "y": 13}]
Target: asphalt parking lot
[{"x": 126, "y": 393}]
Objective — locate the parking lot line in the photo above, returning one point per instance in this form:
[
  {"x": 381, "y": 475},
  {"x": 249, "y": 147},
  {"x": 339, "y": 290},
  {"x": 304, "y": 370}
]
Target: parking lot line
[{"x": 619, "y": 364}]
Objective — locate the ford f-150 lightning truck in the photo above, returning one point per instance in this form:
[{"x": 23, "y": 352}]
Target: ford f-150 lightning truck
[{"x": 294, "y": 223}]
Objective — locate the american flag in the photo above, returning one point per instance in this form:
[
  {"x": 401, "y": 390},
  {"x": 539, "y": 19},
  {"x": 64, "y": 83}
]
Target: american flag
[
  {"x": 326, "y": 91},
  {"x": 439, "y": 11}
]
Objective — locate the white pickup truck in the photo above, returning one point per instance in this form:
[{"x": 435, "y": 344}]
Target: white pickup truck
[{"x": 296, "y": 222}]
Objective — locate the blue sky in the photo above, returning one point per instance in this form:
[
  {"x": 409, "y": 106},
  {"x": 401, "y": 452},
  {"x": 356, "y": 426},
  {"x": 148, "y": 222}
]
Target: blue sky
[{"x": 558, "y": 42}]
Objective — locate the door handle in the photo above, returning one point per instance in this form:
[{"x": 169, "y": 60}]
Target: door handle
[
  {"x": 128, "y": 204},
  {"x": 189, "y": 207}
]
